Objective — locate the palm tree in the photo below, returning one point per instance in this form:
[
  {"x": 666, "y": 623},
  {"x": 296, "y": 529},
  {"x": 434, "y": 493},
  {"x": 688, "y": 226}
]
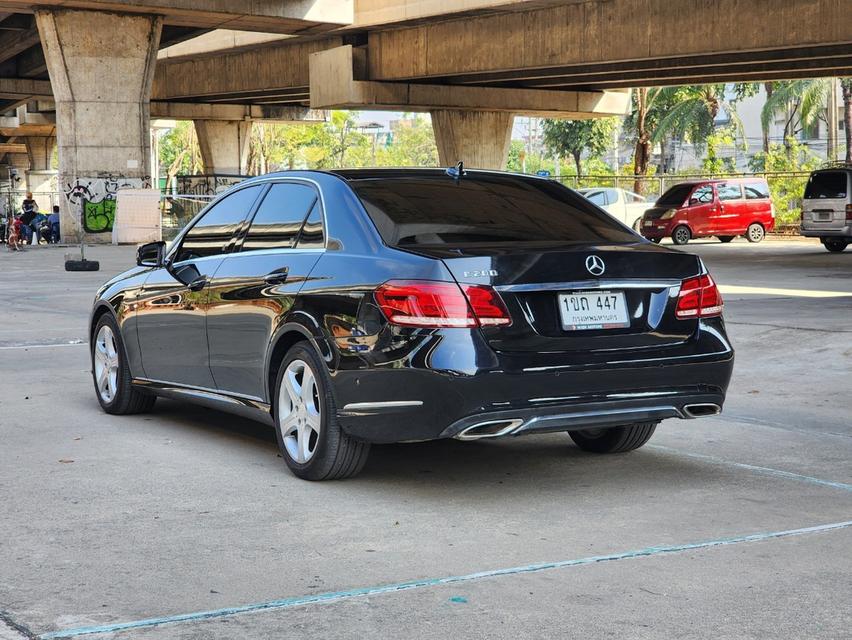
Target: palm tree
[
  {"x": 693, "y": 114},
  {"x": 802, "y": 102}
]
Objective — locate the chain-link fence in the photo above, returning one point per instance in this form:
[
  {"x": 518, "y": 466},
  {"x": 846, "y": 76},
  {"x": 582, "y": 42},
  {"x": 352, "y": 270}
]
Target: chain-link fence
[{"x": 178, "y": 210}]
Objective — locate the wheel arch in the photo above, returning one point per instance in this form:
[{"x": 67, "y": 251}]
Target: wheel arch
[
  {"x": 101, "y": 308},
  {"x": 289, "y": 334}
]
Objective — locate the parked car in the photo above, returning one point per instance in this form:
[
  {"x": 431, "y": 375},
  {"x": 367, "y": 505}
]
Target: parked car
[
  {"x": 626, "y": 206},
  {"x": 703, "y": 208},
  {"x": 827, "y": 207},
  {"x": 367, "y": 306}
]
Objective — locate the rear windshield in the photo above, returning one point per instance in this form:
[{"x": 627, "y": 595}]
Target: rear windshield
[
  {"x": 826, "y": 184},
  {"x": 482, "y": 210},
  {"x": 676, "y": 196}
]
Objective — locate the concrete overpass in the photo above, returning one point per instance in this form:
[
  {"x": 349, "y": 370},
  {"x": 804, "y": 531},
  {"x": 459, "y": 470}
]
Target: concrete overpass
[{"x": 109, "y": 65}]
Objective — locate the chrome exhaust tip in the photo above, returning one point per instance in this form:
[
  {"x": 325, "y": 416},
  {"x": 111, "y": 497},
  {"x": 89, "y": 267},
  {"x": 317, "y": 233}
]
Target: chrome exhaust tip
[
  {"x": 490, "y": 429},
  {"x": 702, "y": 410}
]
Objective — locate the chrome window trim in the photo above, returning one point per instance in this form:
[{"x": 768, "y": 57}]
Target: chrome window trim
[
  {"x": 249, "y": 183},
  {"x": 355, "y": 406}
]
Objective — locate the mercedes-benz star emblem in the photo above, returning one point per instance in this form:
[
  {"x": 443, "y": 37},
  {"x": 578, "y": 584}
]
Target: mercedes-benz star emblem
[{"x": 595, "y": 265}]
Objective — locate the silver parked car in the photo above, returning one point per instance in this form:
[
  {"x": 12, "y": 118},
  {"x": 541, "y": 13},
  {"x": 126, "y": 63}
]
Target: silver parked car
[
  {"x": 624, "y": 206},
  {"x": 827, "y": 208}
]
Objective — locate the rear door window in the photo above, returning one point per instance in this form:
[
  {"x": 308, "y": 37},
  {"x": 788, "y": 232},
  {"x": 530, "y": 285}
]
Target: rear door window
[
  {"x": 729, "y": 192},
  {"x": 212, "y": 233},
  {"x": 427, "y": 210},
  {"x": 313, "y": 234},
  {"x": 280, "y": 217},
  {"x": 827, "y": 184},
  {"x": 756, "y": 191}
]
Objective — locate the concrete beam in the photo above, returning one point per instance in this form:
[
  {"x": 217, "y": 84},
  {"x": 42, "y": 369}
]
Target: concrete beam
[
  {"x": 14, "y": 42},
  {"x": 203, "y": 111},
  {"x": 603, "y": 31},
  {"x": 12, "y": 147},
  {"x": 334, "y": 85},
  {"x": 277, "y": 16},
  {"x": 24, "y": 87},
  {"x": 374, "y": 13},
  {"x": 277, "y": 71}
]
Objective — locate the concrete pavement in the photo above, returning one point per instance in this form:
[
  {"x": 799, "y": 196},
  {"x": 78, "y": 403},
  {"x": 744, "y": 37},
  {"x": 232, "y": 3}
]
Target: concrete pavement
[{"x": 107, "y": 521}]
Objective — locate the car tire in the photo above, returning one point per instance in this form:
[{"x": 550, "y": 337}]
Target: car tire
[
  {"x": 111, "y": 373},
  {"x": 835, "y": 245},
  {"x": 614, "y": 439},
  {"x": 755, "y": 232},
  {"x": 725, "y": 239},
  {"x": 681, "y": 235},
  {"x": 311, "y": 441}
]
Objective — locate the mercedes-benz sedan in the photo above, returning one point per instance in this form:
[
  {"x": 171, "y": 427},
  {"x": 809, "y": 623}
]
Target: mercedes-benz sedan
[{"x": 368, "y": 306}]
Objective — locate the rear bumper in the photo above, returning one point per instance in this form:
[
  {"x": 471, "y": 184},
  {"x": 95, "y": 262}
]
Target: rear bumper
[
  {"x": 533, "y": 393},
  {"x": 658, "y": 229},
  {"x": 837, "y": 232}
]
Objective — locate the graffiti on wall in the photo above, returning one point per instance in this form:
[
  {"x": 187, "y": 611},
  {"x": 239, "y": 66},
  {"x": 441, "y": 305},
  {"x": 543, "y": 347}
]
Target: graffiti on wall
[
  {"x": 206, "y": 185},
  {"x": 95, "y": 198}
]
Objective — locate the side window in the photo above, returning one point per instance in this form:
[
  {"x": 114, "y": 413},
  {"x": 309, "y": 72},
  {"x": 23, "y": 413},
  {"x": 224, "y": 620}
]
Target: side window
[
  {"x": 212, "y": 233},
  {"x": 702, "y": 194},
  {"x": 756, "y": 191},
  {"x": 279, "y": 218},
  {"x": 598, "y": 197},
  {"x": 729, "y": 192},
  {"x": 312, "y": 236}
]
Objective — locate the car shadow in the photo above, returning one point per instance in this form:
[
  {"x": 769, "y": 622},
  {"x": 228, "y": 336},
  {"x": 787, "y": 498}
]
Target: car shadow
[{"x": 429, "y": 470}]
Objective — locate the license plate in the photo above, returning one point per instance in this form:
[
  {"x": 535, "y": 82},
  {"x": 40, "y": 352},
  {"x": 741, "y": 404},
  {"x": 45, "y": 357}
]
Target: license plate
[
  {"x": 649, "y": 223},
  {"x": 593, "y": 310}
]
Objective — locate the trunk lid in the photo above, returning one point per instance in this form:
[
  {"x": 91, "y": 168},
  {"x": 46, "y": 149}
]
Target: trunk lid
[{"x": 530, "y": 279}]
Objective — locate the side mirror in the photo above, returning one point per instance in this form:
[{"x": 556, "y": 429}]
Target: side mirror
[{"x": 151, "y": 254}]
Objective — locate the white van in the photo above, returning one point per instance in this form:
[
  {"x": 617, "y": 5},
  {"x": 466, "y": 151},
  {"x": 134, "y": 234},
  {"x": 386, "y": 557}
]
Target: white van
[{"x": 827, "y": 208}]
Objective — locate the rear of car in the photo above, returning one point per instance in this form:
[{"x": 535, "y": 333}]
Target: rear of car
[
  {"x": 827, "y": 207},
  {"x": 552, "y": 317}
]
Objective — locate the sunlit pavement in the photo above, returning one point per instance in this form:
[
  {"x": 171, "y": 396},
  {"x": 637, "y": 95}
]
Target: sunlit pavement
[{"x": 185, "y": 523}]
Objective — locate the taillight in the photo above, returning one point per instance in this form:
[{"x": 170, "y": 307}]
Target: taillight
[
  {"x": 699, "y": 298},
  {"x": 424, "y": 303},
  {"x": 849, "y": 213}
]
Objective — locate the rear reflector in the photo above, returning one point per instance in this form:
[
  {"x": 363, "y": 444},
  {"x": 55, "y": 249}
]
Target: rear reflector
[
  {"x": 424, "y": 303},
  {"x": 699, "y": 298}
]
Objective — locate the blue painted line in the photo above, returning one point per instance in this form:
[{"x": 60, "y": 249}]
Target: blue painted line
[
  {"x": 767, "y": 471},
  {"x": 335, "y": 596}
]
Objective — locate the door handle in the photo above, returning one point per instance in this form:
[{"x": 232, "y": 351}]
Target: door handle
[
  {"x": 198, "y": 284},
  {"x": 276, "y": 277}
]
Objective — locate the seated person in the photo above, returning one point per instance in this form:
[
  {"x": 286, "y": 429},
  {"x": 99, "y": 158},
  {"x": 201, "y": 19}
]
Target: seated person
[{"x": 53, "y": 219}]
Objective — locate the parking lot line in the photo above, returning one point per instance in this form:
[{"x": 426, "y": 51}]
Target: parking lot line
[
  {"x": 336, "y": 596},
  {"x": 778, "y": 473},
  {"x": 76, "y": 343}
]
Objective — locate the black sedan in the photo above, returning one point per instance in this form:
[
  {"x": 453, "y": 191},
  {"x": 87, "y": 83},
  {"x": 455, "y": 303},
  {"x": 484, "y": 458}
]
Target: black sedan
[{"x": 369, "y": 306}]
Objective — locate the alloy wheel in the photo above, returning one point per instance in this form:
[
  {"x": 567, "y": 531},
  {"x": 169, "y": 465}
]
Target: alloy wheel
[
  {"x": 299, "y": 411},
  {"x": 755, "y": 233},
  {"x": 106, "y": 364}
]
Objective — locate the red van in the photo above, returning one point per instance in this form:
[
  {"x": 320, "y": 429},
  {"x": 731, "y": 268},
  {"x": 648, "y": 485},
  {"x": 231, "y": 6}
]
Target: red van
[{"x": 722, "y": 208}]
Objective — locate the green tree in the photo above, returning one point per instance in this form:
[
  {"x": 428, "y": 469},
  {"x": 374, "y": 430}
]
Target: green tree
[
  {"x": 412, "y": 144},
  {"x": 179, "y": 151},
  {"x": 693, "y": 115},
  {"x": 573, "y": 137},
  {"x": 791, "y": 163},
  {"x": 801, "y": 102}
]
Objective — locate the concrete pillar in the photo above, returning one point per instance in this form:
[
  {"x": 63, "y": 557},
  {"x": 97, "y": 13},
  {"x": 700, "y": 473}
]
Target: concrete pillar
[
  {"x": 101, "y": 67},
  {"x": 41, "y": 178},
  {"x": 480, "y": 139},
  {"x": 224, "y": 145}
]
